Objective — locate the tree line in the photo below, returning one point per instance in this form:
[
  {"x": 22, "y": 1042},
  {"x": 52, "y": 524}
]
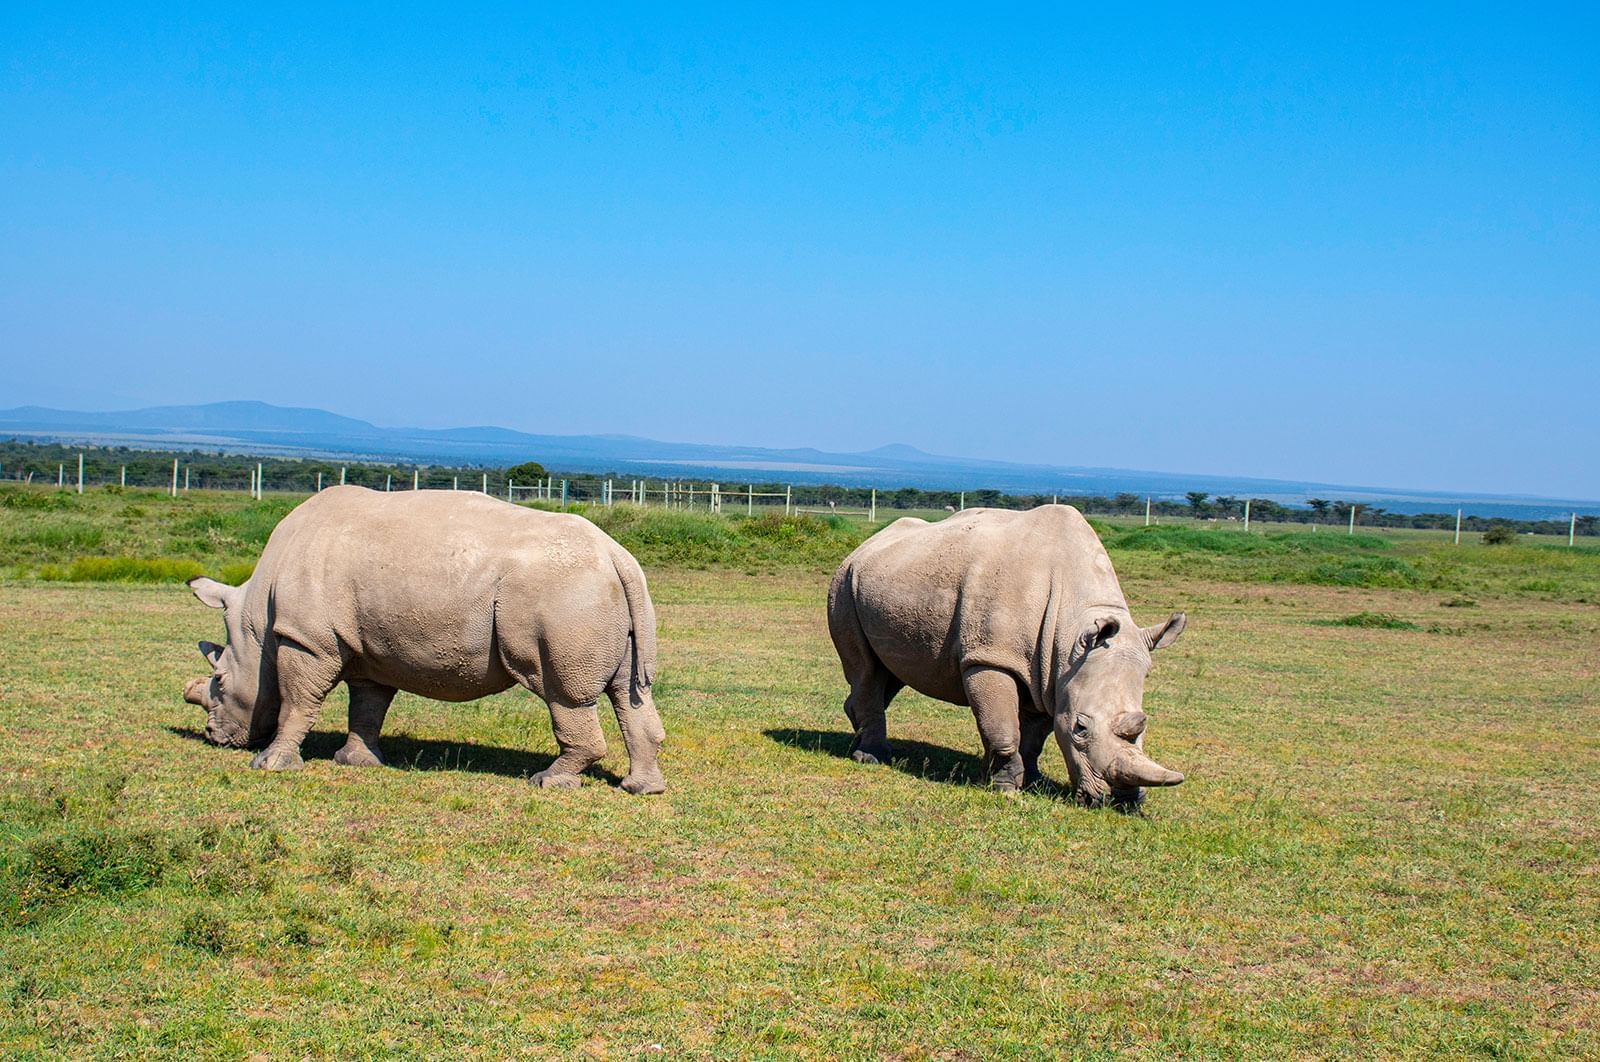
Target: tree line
[{"x": 105, "y": 466}]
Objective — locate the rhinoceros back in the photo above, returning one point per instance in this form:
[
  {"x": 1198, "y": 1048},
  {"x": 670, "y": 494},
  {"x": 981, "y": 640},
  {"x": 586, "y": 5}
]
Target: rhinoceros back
[
  {"x": 986, "y": 586},
  {"x": 451, "y": 595}
]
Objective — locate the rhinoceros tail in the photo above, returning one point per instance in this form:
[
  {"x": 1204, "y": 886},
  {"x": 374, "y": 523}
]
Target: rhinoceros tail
[{"x": 641, "y": 613}]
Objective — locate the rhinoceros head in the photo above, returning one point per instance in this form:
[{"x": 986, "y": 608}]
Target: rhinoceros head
[
  {"x": 1100, "y": 724},
  {"x": 228, "y": 694}
]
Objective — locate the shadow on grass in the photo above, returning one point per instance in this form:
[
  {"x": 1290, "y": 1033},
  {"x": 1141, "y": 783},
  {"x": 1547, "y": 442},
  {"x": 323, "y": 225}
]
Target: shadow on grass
[
  {"x": 933, "y": 763},
  {"x": 404, "y": 753}
]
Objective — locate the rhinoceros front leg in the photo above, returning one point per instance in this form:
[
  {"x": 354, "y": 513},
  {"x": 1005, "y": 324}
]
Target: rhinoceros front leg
[
  {"x": 995, "y": 701},
  {"x": 1036, "y": 730},
  {"x": 369, "y": 703},
  {"x": 304, "y": 681},
  {"x": 577, "y": 731}
]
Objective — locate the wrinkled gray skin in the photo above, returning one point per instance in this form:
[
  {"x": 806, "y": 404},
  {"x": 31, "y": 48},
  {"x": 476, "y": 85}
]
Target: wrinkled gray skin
[
  {"x": 1017, "y": 615},
  {"x": 450, "y": 595}
]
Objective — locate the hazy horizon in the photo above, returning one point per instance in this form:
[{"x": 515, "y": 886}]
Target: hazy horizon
[
  {"x": 1178, "y": 479},
  {"x": 1340, "y": 246}
]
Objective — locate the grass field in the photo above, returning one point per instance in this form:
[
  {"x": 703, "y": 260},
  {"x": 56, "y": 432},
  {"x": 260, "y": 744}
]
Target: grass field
[{"x": 1388, "y": 843}]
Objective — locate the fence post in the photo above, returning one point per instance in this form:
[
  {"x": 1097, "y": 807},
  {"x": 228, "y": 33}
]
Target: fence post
[
  {"x": 388, "y": 481},
  {"x": 61, "y": 476},
  {"x": 455, "y": 482},
  {"x": 872, "y": 516},
  {"x": 1147, "y": 510},
  {"x": 186, "y": 479},
  {"x": 1572, "y": 530},
  {"x": 1353, "y": 509},
  {"x": 1458, "y": 527},
  {"x": 122, "y": 479},
  {"x": 563, "y": 494},
  {"x": 80, "y": 473},
  {"x": 174, "y": 477},
  {"x": 416, "y": 478},
  {"x": 319, "y": 482},
  {"x": 788, "y": 499},
  {"x": 1247, "y": 514},
  {"x": 486, "y": 483},
  {"x": 750, "y": 502},
  {"x": 341, "y": 475},
  {"x": 962, "y": 497},
  {"x": 261, "y": 487}
]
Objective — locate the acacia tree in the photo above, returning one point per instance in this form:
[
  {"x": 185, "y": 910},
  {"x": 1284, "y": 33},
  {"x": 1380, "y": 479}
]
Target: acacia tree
[
  {"x": 1197, "y": 501},
  {"x": 528, "y": 470}
]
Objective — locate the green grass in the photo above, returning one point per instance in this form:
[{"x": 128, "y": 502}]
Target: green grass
[
  {"x": 145, "y": 535},
  {"x": 1376, "y": 621},
  {"x": 1388, "y": 843}
]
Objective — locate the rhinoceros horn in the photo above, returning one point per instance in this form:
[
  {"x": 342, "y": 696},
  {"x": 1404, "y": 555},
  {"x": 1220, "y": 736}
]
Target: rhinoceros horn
[
  {"x": 195, "y": 692},
  {"x": 1131, "y": 768}
]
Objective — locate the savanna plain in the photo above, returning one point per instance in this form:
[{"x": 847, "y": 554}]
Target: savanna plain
[{"x": 1388, "y": 842}]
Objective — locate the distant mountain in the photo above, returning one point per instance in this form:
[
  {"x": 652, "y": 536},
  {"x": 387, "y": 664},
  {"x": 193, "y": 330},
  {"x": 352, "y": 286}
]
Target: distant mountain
[{"x": 257, "y": 427}]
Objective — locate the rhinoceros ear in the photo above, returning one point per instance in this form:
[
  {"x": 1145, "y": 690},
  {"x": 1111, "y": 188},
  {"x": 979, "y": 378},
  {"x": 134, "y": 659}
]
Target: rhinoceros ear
[
  {"x": 1163, "y": 634},
  {"x": 210, "y": 592},
  {"x": 1099, "y": 632},
  {"x": 211, "y": 651}
]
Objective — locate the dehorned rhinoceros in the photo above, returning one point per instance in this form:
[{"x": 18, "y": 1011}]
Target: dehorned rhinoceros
[
  {"x": 1018, "y": 615},
  {"x": 448, "y": 595}
]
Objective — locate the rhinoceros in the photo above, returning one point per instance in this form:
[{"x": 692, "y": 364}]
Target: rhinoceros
[
  {"x": 448, "y": 595},
  {"x": 1019, "y": 616}
]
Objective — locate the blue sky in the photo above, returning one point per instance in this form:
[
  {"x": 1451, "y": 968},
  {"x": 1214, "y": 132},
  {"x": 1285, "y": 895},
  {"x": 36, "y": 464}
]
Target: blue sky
[{"x": 1356, "y": 246}]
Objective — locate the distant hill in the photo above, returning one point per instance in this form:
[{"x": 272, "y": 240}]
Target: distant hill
[{"x": 257, "y": 427}]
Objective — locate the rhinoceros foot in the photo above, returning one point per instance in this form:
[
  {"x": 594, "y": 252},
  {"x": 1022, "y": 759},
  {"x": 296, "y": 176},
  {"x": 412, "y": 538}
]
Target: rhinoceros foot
[
  {"x": 550, "y": 780},
  {"x": 357, "y": 753},
  {"x": 645, "y": 784},
  {"x": 276, "y": 759},
  {"x": 880, "y": 754}
]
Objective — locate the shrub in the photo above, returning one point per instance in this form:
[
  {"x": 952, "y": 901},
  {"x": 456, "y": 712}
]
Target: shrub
[
  {"x": 33, "y": 500},
  {"x": 1499, "y": 535}
]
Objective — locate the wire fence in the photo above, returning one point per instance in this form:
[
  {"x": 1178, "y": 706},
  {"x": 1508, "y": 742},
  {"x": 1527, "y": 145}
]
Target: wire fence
[{"x": 750, "y": 499}]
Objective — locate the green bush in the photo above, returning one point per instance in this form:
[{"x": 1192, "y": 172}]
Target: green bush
[
  {"x": 34, "y": 500},
  {"x": 1499, "y": 535}
]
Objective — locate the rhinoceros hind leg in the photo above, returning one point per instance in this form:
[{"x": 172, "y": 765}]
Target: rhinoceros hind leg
[
  {"x": 642, "y": 733},
  {"x": 872, "y": 687},
  {"x": 995, "y": 701},
  {"x": 577, "y": 732},
  {"x": 865, "y": 708},
  {"x": 369, "y": 704}
]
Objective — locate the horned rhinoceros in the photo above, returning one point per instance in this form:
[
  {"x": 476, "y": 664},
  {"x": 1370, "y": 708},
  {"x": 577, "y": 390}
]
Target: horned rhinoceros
[
  {"x": 1019, "y": 616},
  {"x": 449, "y": 595}
]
